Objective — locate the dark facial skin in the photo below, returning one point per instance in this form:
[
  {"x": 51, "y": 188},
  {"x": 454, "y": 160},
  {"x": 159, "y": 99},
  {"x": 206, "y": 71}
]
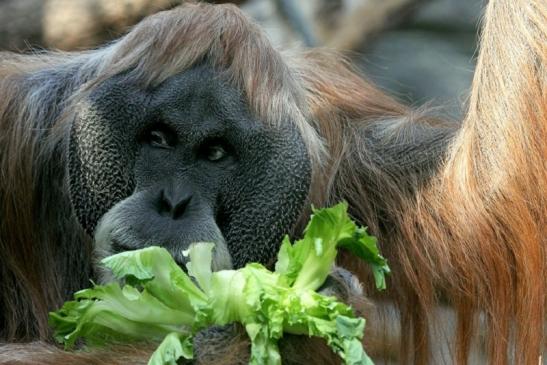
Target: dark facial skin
[{"x": 182, "y": 163}]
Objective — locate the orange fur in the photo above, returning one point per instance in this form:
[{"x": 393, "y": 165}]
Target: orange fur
[{"x": 467, "y": 228}]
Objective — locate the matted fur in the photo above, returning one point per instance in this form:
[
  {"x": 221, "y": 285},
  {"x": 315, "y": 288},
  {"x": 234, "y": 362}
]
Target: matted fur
[{"x": 472, "y": 234}]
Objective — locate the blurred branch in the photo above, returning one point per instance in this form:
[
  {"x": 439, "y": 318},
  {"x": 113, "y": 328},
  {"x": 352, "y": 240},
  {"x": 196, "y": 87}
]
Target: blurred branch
[
  {"x": 340, "y": 24},
  {"x": 357, "y": 22},
  {"x": 71, "y": 24},
  {"x": 82, "y": 24}
]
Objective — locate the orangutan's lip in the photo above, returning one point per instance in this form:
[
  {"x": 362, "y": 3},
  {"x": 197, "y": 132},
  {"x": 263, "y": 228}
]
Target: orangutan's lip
[{"x": 117, "y": 247}]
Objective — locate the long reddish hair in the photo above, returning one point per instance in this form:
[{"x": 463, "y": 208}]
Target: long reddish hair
[
  {"x": 460, "y": 210},
  {"x": 474, "y": 235}
]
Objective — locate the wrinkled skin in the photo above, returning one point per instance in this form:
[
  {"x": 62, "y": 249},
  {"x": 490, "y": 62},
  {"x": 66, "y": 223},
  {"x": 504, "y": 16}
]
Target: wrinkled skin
[
  {"x": 187, "y": 162},
  {"x": 182, "y": 163}
]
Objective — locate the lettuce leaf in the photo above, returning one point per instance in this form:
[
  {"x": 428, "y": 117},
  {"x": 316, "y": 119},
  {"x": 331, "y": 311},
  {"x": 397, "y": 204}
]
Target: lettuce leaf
[
  {"x": 308, "y": 262},
  {"x": 154, "y": 299},
  {"x": 173, "y": 347}
]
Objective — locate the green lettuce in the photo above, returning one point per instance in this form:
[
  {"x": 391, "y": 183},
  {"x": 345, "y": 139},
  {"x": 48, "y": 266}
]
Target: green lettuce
[{"x": 155, "y": 300}]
